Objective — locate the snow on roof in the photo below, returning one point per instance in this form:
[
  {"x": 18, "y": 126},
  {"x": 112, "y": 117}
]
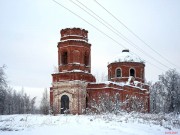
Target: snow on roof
[
  {"x": 74, "y": 40},
  {"x": 122, "y": 84},
  {"x": 116, "y": 83},
  {"x": 72, "y": 36},
  {"x": 74, "y": 70},
  {"x": 126, "y": 56}
]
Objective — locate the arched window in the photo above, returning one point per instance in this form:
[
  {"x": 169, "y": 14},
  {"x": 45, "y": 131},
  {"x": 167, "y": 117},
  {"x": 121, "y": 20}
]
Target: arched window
[
  {"x": 132, "y": 72},
  {"x": 86, "y": 59},
  {"x": 118, "y": 72},
  {"x": 64, "y": 58}
]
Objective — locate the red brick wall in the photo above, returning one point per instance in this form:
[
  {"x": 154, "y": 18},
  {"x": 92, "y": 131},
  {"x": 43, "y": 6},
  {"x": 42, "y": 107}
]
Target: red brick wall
[
  {"x": 94, "y": 91},
  {"x": 76, "y": 54},
  {"x": 70, "y": 76}
]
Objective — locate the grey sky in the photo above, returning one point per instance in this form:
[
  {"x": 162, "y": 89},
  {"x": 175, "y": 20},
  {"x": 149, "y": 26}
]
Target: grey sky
[{"x": 30, "y": 30}]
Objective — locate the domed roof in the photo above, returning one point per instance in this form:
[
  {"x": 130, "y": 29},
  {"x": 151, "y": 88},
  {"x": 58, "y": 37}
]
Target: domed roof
[{"x": 126, "y": 56}]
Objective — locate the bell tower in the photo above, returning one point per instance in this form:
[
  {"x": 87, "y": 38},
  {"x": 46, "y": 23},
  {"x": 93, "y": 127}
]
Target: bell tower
[
  {"x": 68, "y": 91},
  {"x": 74, "y": 51}
]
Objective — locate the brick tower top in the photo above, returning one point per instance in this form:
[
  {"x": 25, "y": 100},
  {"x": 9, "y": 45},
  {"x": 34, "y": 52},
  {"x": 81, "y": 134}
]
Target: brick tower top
[
  {"x": 74, "y": 50},
  {"x": 74, "y": 34},
  {"x": 74, "y": 56}
]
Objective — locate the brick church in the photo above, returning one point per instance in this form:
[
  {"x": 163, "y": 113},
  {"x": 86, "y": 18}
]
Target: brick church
[{"x": 74, "y": 88}]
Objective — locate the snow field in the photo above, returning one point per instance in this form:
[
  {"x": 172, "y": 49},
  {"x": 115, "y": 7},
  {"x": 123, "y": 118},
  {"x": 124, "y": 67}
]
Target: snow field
[{"x": 107, "y": 124}]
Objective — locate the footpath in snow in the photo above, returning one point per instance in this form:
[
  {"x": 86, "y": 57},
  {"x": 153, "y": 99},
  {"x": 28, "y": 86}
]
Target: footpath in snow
[{"x": 122, "y": 124}]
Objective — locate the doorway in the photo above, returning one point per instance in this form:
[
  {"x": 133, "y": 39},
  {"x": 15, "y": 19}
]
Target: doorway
[{"x": 64, "y": 104}]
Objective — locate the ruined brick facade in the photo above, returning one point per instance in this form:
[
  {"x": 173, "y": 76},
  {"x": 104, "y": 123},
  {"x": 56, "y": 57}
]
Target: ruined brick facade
[{"x": 74, "y": 87}]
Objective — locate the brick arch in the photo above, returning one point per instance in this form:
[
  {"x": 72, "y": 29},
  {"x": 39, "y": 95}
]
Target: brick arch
[
  {"x": 64, "y": 104},
  {"x": 58, "y": 100},
  {"x": 64, "y": 57},
  {"x": 118, "y": 72},
  {"x": 76, "y": 56}
]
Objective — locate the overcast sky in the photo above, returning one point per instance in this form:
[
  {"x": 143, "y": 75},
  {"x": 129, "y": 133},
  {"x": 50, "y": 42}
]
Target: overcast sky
[{"x": 30, "y": 30}]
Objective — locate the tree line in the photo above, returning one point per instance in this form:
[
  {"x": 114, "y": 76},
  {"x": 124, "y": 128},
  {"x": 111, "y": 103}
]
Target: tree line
[
  {"x": 165, "y": 93},
  {"x": 13, "y": 102}
]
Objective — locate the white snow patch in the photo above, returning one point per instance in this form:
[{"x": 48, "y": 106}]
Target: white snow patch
[
  {"x": 77, "y": 70},
  {"x": 74, "y": 70},
  {"x": 77, "y": 63},
  {"x": 129, "y": 80},
  {"x": 116, "y": 83},
  {"x": 72, "y": 35},
  {"x": 74, "y": 40}
]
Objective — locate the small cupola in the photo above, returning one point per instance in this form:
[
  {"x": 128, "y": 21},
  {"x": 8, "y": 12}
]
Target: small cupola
[
  {"x": 127, "y": 56},
  {"x": 126, "y": 65},
  {"x": 125, "y": 50}
]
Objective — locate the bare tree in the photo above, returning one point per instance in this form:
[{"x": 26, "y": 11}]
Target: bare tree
[
  {"x": 171, "y": 80},
  {"x": 107, "y": 104},
  {"x": 32, "y": 105},
  {"x": 44, "y": 107},
  {"x": 101, "y": 77},
  {"x": 3, "y": 87},
  {"x": 165, "y": 93}
]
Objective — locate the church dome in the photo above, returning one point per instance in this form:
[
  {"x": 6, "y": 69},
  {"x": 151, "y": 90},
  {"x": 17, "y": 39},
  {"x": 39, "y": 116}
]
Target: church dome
[{"x": 126, "y": 56}]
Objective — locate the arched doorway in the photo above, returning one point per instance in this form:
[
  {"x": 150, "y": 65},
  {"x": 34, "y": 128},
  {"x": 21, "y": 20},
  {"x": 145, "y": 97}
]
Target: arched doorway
[{"x": 64, "y": 103}]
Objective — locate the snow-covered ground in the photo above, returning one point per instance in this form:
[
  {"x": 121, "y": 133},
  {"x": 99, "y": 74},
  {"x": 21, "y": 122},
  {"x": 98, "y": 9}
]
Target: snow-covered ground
[{"x": 122, "y": 124}]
